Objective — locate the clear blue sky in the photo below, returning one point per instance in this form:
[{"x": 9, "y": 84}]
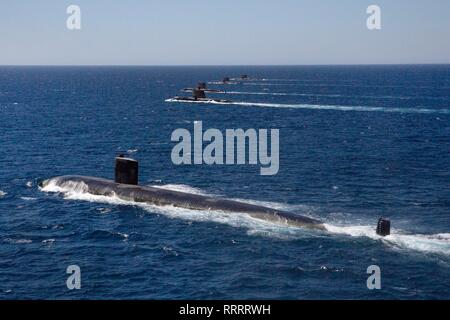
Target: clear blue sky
[{"x": 219, "y": 32}]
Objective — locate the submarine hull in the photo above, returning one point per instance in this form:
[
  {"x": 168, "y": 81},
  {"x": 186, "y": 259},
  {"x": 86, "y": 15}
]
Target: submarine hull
[
  {"x": 204, "y": 100},
  {"x": 162, "y": 197}
]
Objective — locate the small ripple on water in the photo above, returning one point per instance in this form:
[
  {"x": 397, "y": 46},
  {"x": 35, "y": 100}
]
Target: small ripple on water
[
  {"x": 17, "y": 241},
  {"x": 28, "y": 198}
]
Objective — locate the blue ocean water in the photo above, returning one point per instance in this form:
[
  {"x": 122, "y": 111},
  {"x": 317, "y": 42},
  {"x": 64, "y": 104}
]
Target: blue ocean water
[{"x": 357, "y": 143}]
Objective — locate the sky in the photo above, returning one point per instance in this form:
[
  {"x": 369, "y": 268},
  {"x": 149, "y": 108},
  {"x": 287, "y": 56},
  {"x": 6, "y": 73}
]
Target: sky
[{"x": 219, "y": 32}]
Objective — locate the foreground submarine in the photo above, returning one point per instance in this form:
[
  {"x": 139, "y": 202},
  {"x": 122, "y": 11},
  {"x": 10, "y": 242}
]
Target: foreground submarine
[{"x": 126, "y": 187}]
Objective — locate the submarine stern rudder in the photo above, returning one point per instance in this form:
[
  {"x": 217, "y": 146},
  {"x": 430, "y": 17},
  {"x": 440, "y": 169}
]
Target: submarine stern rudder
[{"x": 384, "y": 227}]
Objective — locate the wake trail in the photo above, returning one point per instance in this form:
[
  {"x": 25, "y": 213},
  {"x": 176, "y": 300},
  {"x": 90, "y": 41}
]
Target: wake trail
[
  {"x": 329, "y": 95},
  {"x": 445, "y": 83},
  {"x": 433, "y": 243},
  {"x": 263, "y": 84},
  {"x": 423, "y": 110}
]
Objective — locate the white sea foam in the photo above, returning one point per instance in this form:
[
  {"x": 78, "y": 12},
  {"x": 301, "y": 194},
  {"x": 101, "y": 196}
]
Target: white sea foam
[
  {"x": 17, "y": 241},
  {"x": 282, "y": 94},
  {"x": 338, "y": 81},
  {"x": 68, "y": 188},
  {"x": 123, "y": 235},
  {"x": 323, "y": 107},
  {"x": 182, "y": 188},
  {"x": 295, "y": 94},
  {"x": 2, "y": 194},
  {"x": 27, "y": 198},
  {"x": 353, "y": 85},
  {"x": 438, "y": 243},
  {"x": 307, "y": 80}
]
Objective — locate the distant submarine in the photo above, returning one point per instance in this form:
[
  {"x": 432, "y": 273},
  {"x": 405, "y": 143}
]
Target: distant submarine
[
  {"x": 126, "y": 187},
  {"x": 199, "y": 94}
]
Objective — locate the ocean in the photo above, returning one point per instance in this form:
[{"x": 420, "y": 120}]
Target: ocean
[{"x": 356, "y": 143}]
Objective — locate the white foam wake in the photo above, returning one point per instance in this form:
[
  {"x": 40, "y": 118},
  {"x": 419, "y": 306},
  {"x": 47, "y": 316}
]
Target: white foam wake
[
  {"x": 2, "y": 194},
  {"x": 282, "y": 94},
  {"x": 339, "y": 85},
  {"x": 435, "y": 243},
  {"x": 322, "y": 107},
  {"x": 315, "y": 95},
  {"x": 438, "y": 243},
  {"x": 305, "y": 80}
]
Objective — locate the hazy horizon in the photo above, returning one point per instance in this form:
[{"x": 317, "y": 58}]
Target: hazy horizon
[
  {"x": 223, "y": 65},
  {"x": 223, "y": 33}
]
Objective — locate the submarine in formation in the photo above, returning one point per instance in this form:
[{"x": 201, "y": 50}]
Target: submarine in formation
[
  {"x": 126, "y": 187},
  {"x": 199, "y": 95},
  {"x": 203, "y": 86}
]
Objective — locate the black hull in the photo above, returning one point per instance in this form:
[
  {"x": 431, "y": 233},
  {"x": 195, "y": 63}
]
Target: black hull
[
  {"x": 162, "y": 197},
  {"x": 204, "y": 100}
]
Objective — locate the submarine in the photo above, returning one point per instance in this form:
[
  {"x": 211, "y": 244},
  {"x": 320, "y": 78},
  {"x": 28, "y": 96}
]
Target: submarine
[
  {"x": 126, "y": 187},
  {"x": 203, "y": 87},
  {"x": 226, "y": 81},
  {"x": 236, "y": 80},
  {"x": 199, "y": 95}
]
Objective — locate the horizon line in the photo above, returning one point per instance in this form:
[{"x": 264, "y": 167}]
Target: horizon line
[{"x": 224, "y": 65}]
